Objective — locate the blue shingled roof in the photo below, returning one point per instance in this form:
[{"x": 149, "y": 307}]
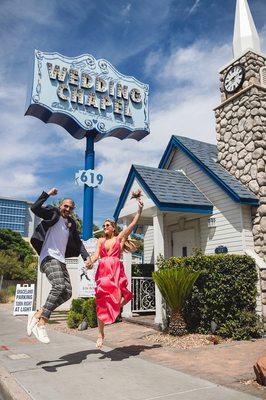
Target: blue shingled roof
[
  {"x": 169, "y": 190},
  {"x": 205, "y": 155}
]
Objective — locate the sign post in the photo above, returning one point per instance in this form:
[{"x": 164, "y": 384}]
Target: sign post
[
  {"x": 88, "y": 191},
  {"x": 92, "y": 100}
]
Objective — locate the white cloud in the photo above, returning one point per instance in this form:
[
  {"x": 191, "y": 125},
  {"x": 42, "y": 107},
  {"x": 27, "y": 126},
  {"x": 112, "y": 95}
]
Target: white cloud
[
  {"x": 194, "y": 7},
  {"x": 126, "y": 9},
  {"x": 188, "y": 90},
  {"x": 183, "y": 105}
]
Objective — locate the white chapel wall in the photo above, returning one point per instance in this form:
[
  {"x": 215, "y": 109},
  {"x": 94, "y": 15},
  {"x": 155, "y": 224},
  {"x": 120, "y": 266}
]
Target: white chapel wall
[
  {"x": 149, "y": 245},
  {"x": 228, "y": 214},
  {"x": 130, "y": 205}
]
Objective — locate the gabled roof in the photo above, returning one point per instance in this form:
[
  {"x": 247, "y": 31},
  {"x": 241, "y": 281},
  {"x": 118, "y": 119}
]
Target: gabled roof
[
  {"x": 205, "y": 156},
  {"x": 169, "y": 190}
]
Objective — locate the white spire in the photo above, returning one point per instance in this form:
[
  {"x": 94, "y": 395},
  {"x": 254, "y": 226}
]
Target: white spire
[{"x": 245, "y": 33}]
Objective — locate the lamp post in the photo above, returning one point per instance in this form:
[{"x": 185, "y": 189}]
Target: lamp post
[{"x": 88, "y": 200}]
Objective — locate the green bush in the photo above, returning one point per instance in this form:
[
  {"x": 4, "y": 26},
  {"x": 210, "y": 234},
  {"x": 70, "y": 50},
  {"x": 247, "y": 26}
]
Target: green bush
[
  {"x": 74, "y": 319},
  {"x": 4, "y": 296},
  {"x": 142, "y": 269},
  {"x": 244, "y": 326},
  {"x": 17, "y": 258},
  {"x": 77, "y": 305},
  {"x": 224, "y": 293},
  {"x": 89, "y": 312},
  {"x": 7, "y": 293},
  {"x": 82, "y": 309},
  {"x": 11, "y": 290}
]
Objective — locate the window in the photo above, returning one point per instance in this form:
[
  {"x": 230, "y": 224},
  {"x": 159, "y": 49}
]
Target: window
[{"x": 184, "y": 251}]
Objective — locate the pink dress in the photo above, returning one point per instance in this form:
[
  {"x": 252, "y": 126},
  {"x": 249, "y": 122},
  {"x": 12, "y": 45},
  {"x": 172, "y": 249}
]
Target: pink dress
[{"x": 111, "y": 284}]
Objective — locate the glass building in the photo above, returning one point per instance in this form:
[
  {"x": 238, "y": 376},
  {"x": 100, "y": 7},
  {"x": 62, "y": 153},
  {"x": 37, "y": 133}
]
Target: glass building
[{"x": 16, "y": 215}]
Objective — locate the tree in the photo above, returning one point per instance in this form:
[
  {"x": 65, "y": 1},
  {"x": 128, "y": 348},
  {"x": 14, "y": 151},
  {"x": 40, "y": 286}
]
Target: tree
[
  {"x": 17, "y": 258},
  {"x": 13, "y": 241},
  {"x": 175, "y": 285}
]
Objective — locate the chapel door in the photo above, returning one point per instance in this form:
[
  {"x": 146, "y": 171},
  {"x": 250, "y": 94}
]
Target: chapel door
[{"x": 183, "y": 243}]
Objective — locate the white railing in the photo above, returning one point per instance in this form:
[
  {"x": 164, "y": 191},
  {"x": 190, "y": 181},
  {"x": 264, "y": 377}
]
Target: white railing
[{"x": 143, "y": 289}]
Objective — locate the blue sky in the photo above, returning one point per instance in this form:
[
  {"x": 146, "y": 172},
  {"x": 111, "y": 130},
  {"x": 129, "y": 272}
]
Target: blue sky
[{"x": 176, "y": 46}]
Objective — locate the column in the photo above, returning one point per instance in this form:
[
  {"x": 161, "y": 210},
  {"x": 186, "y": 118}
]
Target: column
[
  {"x": 127, "y": 261},
  {"x": 39, "y": 288},
  {"x": 158, "y": 232}
]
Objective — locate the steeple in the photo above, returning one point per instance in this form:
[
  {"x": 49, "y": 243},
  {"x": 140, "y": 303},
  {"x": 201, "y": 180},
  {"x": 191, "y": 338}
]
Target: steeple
[{"x": 245, "y": 33}]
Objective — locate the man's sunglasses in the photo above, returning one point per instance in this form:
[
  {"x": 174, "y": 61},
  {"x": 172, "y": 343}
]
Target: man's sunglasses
[{"x": 71, "y": 208}]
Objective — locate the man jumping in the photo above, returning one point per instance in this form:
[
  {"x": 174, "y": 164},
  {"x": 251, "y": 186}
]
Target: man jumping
[{"x": 54, "y": 239}]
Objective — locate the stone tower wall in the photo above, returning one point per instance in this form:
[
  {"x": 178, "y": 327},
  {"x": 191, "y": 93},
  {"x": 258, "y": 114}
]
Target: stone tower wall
[{"x": 241, "y": 139}]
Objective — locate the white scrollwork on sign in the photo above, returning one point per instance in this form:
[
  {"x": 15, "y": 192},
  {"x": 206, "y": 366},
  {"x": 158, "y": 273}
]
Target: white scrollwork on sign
[
  {"x": 89, "y": 123},
  {"x": 91, "y": 62},
  {"x": 103, "y": 65},
  {"x": 101, "y": 127}
]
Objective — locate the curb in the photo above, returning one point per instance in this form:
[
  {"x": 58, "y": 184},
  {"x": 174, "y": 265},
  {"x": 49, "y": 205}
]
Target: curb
[{"x": 9, "y": 388}]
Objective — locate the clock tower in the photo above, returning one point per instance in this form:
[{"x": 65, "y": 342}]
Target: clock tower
[{"x": 241, "y": 117}]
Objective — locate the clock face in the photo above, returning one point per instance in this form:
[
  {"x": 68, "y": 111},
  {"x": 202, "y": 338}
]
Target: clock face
[{"x": 234, "y": 78}]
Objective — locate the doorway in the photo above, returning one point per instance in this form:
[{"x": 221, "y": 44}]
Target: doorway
[{"x": 183, "y": 243}]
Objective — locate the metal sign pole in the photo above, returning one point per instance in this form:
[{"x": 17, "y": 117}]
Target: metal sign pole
[{"x": 88, "y": 191}]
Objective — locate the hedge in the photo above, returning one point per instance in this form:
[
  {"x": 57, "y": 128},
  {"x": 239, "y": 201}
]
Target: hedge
[
  {"x": 82, "y": 309},
  {"x": 224, "y": 293}
]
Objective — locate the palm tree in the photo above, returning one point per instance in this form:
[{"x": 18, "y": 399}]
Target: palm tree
[{"x": 175, "y": 285}]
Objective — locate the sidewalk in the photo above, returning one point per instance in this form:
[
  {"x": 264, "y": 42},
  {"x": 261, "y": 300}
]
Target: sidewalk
[{"x": 70, "y": 367}]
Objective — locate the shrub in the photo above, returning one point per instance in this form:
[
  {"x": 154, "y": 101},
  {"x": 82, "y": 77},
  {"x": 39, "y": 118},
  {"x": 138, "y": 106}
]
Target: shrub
[
  {"x": 142, "y": 269},
  {"x": 74, "y": 319},
  {"x": 11, "y": 290},
  {"x": 4, "y": 296},
  {"x": 7, "y": 294},
  {"x": 175, "y": 285},
  {"x": 82, "y": 309},
  {"x": 89, "y": 312},
  {"x": 224, "y": 293},
  {"x": 77, "y": 305}
]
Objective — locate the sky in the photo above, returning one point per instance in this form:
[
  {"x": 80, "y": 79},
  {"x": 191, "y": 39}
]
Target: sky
[{"x": 175, "y": 46}]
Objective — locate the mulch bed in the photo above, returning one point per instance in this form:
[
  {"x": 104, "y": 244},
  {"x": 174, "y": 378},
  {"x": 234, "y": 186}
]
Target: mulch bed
[{"x": 189, "y": 341}]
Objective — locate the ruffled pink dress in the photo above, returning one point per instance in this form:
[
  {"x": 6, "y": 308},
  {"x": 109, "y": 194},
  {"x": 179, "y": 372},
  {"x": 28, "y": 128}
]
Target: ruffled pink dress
[{"x": 111, "y": 284}]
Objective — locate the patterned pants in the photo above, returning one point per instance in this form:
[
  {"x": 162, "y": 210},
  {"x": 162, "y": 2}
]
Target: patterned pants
[{"x": 61, "y": 290}]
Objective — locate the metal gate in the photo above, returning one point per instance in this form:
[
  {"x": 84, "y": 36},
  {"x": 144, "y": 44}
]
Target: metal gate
[{"x": 143, "y": 289}]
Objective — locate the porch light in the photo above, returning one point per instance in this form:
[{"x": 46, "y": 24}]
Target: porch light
[{"x": 211, "y": 223}]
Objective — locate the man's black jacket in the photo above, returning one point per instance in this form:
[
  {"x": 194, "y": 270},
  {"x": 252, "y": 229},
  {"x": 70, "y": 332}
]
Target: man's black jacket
[{"x": 50, "y": 216}]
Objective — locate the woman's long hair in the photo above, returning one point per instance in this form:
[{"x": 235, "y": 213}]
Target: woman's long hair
[{"x": 130, "y": 245}]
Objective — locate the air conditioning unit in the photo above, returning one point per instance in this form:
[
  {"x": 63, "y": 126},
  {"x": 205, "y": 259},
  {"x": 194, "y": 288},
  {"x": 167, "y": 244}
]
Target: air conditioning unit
[{"x": 263, "y": 76}]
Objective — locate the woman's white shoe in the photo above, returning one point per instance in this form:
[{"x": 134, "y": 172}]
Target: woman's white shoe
[{"x": 40, "y": 333}]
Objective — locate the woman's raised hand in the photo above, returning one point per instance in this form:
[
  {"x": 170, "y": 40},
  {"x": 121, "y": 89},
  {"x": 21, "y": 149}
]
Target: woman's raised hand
[{"x": 140, "y": 204}]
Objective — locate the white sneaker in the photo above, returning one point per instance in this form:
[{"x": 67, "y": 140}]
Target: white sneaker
[
  {"x": 32, "y": 321},
  {"x": 40, "y": 333}
]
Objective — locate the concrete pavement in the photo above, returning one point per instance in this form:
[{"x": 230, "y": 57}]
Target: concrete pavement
[{"x": 70, "y": 367}]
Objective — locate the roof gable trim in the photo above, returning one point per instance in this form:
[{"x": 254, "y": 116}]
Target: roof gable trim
[{"x": 176, "y": 144}]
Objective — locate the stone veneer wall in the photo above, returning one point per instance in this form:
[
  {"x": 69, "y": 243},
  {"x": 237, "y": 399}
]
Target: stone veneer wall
[
  {"x": 241, "y": 138},
  {"x": 241, "y": 143},
  {"x": 252, "y": 63}
]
